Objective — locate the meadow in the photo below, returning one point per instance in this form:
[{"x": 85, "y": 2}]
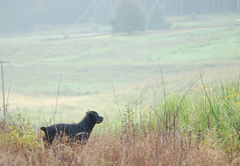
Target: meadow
[{"x": 101, "y": 72}]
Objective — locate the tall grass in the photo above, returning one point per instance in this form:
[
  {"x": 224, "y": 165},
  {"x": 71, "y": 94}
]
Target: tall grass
[
  {"x": 127, "y": 147},
  {"x": 200, "y": 128},
  {"x": 209, "y": 112}
]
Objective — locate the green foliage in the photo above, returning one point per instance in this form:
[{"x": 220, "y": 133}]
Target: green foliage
[
  {"x": 129, "y": 17},
  {"x": 156, "y": 18},
  {"x": 128, "y": 118},
  {"x": 21, "y": 135},
  {"x": 219, "y": 121}
]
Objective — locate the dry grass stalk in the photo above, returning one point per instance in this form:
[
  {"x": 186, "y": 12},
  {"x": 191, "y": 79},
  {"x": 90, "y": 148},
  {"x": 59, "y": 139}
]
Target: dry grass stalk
[{"x": 131, "y": 148}]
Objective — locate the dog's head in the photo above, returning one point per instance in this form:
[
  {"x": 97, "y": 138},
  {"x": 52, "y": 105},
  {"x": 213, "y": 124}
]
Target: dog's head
[
  {"x": 45, "y": 136},
  {"x": 94, "y": 115}
]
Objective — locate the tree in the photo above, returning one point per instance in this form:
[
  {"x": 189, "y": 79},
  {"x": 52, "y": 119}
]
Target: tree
[
  {"x": 129, "y": 17},
  {"x": 156, "y": 18}
]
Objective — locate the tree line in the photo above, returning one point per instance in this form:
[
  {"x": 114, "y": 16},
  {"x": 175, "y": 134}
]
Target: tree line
[
  {"x": 25, "y": 14},
  {"x": 187, "y": 7}
]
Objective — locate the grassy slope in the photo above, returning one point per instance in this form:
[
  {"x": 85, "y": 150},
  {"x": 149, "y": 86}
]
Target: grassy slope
[{"x": 89, "y": 64}]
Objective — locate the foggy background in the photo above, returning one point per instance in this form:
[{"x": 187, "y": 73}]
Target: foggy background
[
  {"x": 24, "y": 15},
  {"x": 87, "y": 65}
]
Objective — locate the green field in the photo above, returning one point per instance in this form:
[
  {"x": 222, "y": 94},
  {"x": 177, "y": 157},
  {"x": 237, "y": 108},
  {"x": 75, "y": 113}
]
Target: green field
[{"x": 89, "y": 64}]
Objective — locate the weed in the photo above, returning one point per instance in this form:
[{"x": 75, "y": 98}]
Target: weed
[{"x": 21, "y": 135}]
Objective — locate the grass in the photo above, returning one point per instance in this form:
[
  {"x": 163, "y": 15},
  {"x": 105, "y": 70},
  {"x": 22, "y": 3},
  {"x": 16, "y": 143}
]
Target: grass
[
  {"x": 111, "y": 58},
  {"x": 197, "y": 134},
  {"x": 215, "y": 113},
  {"x": 205, "y": 131},
  {"x": 111, "y": 150},
  {"x": 88, "y": 65}
]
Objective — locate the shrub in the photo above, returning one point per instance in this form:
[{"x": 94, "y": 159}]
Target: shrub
[
  {"x": 156, "y": 18},
  {"x": 129, "y": 17},
  {"x": 21, "y": 135}
]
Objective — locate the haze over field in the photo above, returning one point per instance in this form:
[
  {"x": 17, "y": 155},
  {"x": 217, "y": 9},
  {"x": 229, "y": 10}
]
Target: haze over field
[
  {"x": 164, "y": 74},
  {"x": 48, "y": 42},
  {"x": 44, "y": 15}
]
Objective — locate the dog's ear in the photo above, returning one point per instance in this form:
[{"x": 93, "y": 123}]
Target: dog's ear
[
  {"x": 93, "y": 114},
  {"x": 44, "y": 129}
]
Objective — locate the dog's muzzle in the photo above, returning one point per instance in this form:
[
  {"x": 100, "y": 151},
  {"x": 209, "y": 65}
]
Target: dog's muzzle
[{"x": 100, "y": 119}]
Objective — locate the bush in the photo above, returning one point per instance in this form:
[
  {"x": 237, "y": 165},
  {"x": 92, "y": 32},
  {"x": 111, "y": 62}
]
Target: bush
[
  {"x": 156, "y": 18},
  {"x": 20, "y": 135},
  {"x": 129, "y": 17}
]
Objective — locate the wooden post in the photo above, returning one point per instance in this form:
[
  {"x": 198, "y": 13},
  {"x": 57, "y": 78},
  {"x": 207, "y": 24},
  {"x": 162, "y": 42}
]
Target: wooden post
[{"x": 4, "y": 110}]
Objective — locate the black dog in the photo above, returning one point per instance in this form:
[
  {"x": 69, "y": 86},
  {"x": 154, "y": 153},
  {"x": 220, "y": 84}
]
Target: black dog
[{"x": 80, "y": 131}]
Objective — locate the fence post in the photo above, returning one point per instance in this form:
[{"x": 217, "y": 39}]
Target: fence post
[{"x": 4, "y": 110}]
